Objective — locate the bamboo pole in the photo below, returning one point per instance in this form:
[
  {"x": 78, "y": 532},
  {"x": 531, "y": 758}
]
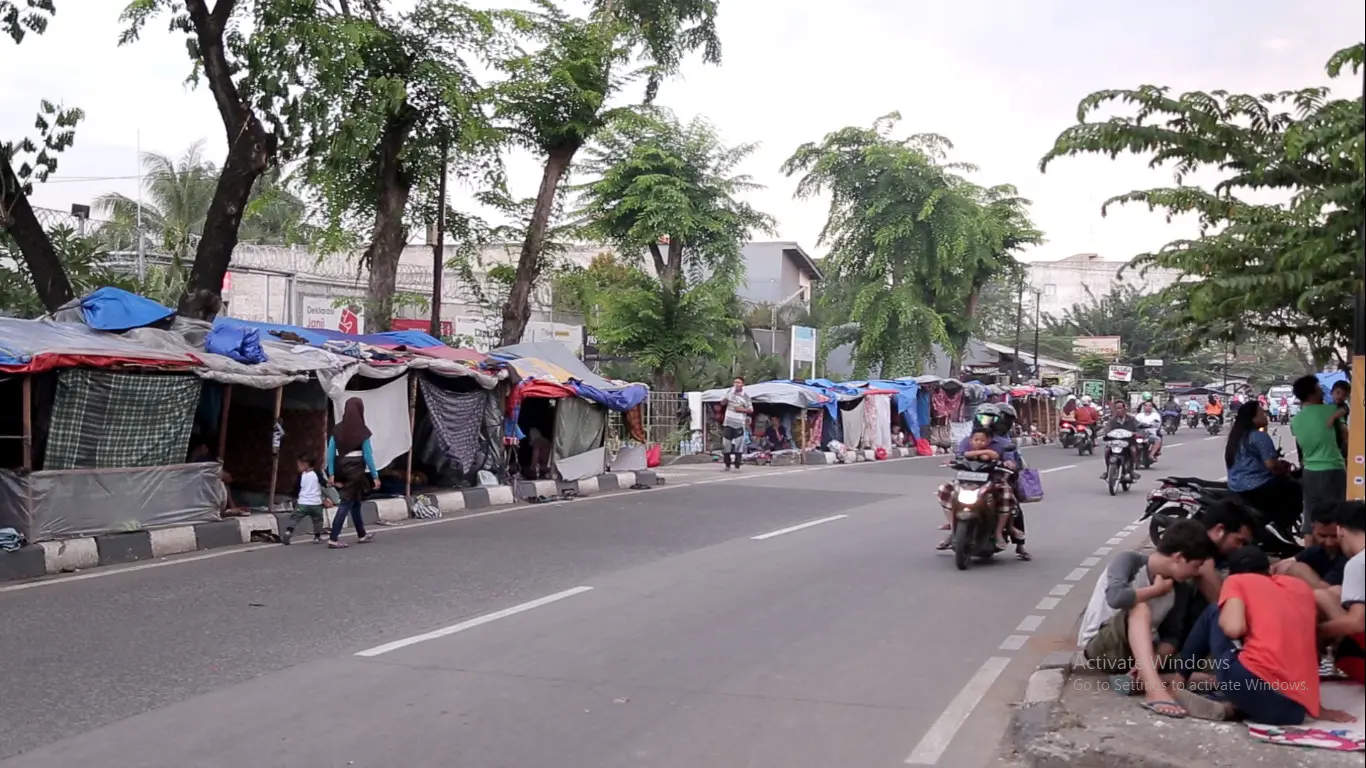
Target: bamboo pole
[
  {"x": 28, "y": 455},
  {"x": 412, "y": 422},
  {"x": 275, "y": 448},
  {"x": 223, "y": 423}
]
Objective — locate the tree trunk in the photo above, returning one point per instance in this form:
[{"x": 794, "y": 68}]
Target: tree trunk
[
  {"x": 390, "y": 234},
  {"x": 665, "y": 380},
  {"x": 970, "y": 311},
  {"x": 18, "y": 220},
  {"x": 518, "y": 308},
  {"x": 251, "y": 148}
]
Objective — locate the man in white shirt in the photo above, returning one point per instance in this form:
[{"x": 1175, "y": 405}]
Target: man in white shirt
[
  {"x": 1344, "y": 608},
  {"x": 738, "y": 408},
  {"x": 1151, "y": 421}
]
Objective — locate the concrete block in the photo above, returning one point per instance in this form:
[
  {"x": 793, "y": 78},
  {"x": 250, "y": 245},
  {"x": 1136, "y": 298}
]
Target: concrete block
[
  {"x": 1057, "y": 660},
  {"x": 388, "y": 510},
  {"x": 70, "y": 554},
  {"x": 450, "y": 501},
  {"x": 500, "y": 495},
  {"x": 476, "y": 497},
  {"x": 525, "y": 489},
  {"x": 23, "y": 563},
  {"x": 589, "y": 486},
  {"x": 119, "y": 548},
  {"x": 253, "y": 523},
  {"x": 1045, "y": 685},
  {"x": 173, "y": 541},
  {"x": 610, "y": 481},
  {"x": 224, "y": 533},
  {"x": 626, "y": 479},
  {"x": 648, "y": 477}
]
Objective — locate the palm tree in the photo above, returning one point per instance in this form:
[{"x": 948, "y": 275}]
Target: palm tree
[{"x": 175, "y": 203}]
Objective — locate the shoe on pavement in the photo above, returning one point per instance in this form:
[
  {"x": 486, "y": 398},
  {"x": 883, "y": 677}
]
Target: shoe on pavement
[
  {"x": 366, "y": 539},
  {"x": 286, "y": 536}
]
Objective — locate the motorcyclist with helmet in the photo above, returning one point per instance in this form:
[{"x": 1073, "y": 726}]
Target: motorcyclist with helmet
[
  {"x": 1151, "y": 421},
  {"x": 1214, "y": 409},
  {"x": 1120, "y": 419},
  {"x": 997, "y": 419},
  {"x": 1088, "y": 416}
]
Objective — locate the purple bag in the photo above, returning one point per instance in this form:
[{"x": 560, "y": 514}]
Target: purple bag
[{"x": 1030, "y": 486}]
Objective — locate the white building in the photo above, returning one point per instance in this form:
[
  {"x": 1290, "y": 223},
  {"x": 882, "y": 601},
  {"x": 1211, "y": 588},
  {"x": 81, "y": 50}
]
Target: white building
[{"x": 1076, "y": 279}]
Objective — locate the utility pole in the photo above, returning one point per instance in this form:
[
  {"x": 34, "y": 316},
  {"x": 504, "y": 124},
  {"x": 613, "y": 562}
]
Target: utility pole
[
  {"x": 1038, "y": 367},
  {"x": 1356, "y": 427},
  {"x": 439, "y": 250},
  {"x": 1019, "y": 321}
]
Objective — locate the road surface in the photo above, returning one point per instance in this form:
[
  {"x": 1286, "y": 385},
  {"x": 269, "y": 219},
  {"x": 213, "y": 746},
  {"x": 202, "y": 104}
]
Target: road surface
[{"x": 772, "y": 617}]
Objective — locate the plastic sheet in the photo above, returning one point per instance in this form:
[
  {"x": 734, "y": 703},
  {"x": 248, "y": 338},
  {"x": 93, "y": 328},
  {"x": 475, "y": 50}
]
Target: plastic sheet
[
  {"x": 72, "y": 503},
  {"x": 579, "y": 427},
  {"x": 240, "y": 344},
  {"x": 114, "y": 309}
]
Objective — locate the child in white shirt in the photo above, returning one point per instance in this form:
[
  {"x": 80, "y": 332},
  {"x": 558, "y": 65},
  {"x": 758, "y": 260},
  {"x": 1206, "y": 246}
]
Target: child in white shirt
[{"x": 310, "y": 498}]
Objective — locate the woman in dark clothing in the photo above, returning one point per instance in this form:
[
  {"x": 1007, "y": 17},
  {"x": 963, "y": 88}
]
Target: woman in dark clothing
[
  {"x": 351, "y": 467},
  {"x": 1255, "y": 469}
]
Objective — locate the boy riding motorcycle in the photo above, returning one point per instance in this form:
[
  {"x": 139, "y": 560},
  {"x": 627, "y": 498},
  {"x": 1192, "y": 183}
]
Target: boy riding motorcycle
[{"x": 990, "y": 422}]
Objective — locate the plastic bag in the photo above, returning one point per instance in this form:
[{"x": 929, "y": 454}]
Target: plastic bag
[
  {"x": 652, "y": 455},
  {"x": 923, "y": 447},
  {"x": 880, "y": 454},
  {"x": 1030, "y": 486}
]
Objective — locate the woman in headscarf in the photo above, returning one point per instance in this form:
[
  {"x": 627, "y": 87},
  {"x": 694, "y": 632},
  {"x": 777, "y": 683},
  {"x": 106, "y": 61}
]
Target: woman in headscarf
[{"x": 351, "y": 467}]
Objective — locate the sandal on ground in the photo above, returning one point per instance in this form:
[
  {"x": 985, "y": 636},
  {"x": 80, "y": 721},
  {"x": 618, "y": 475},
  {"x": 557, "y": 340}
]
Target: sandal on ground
[
  {"x": 336, "y": 545},
  {"x": 366, "y": 539},
  {"x": 1200, "y": 707},
  {"x": 1022, "y": 554},
  {"x": 1165, "y": 708},
  {"x": 945, "y": 527},
  {"x": 945, "y": 544}
]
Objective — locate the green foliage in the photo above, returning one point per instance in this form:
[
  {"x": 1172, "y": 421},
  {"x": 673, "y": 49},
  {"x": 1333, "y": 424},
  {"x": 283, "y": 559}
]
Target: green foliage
[
  {"x": 910, "y": 240},
  {"x": 1288, "y": 269},
  {"x": 83, "y": 258},
  {"x": 18, "y": 22}
]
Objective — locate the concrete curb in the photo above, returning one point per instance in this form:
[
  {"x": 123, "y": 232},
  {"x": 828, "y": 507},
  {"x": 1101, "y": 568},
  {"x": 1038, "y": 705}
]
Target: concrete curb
[
  {"x": 865, "y": 454},
  {"x": 1033, "y": 722},
  {"x": 68, "y": 555}
]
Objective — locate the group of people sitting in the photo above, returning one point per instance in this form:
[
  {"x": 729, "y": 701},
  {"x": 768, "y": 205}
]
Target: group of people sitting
[{"x": 1206, "y": 626}]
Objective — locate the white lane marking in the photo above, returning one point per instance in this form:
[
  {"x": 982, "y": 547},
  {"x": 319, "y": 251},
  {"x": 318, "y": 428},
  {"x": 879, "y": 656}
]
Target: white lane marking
[
  {"x": 1077, "y": 574},
  {"x": 1115, "y": 540},
  {"x": 1047, "y": 604},
  {"x": 131, "y": 568},
  {"x": 1090, "y": 562},
  {"x": 1030, "y": 623},
  {"x": 472, "y": 623},
  {"x": 1013, "y": 642},
  {"x": 1211, "y": 437},
  {"x": 1173, "y": 445},
  {"x": 1101, "y": 551},
  {"x": 940, "y": 735},
  {"x": 1060, "y": 590},
  {"x": 1057, "y": 469},
  {"x": 781, "y": 531}
]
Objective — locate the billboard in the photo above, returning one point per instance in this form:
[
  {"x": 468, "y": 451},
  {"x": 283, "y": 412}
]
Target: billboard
[
  {"x": 1100, "y": 346},
  {"x": 408, "y": 324},
  {"x": 321, "y": 312},
  {"x": 1121, "y": 373}
]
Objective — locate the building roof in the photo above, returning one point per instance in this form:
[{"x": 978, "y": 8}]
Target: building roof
[
  {"x": 793, "y": 250},
  {"x": 1025, "y": 357}
]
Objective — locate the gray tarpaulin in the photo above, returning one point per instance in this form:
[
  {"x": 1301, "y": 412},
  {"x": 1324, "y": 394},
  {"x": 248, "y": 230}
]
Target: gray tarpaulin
[
  {"x": 587, "y": 464},
  {"x": 579, "y": 427},
  {"x": 72, "y": 503}
]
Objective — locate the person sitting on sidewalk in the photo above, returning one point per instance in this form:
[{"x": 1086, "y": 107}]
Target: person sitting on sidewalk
[
  {"x": 1344, "y": 607},
  {"x": 1322, "y": 563},
  {"x": 1260, "y": 638},
  {"x": 1133, "y": 620}
]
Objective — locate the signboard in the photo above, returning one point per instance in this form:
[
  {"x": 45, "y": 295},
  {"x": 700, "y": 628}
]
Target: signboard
[
  {"x": 320, "y": 312},
  {"x": 1152, "y": 363},
  {"x": 409, "y": 324},
  {"x": 1121, "y": 373},
  {"x": 1100, "y": 346},
  {"x": 569, "y": 335},
  {"x": 803, "y": 349},
  {"x": 1176, "y": 386},
  {"x": 1093, "y": 389}
]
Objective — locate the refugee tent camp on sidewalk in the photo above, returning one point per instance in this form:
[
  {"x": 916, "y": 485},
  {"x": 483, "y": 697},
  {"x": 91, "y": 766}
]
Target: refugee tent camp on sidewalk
[
  {"x": 556, "y": 393},
  {"x": 786, "y": 401}
]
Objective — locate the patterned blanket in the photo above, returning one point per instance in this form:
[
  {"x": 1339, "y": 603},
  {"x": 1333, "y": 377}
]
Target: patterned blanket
[{"x": 104, "y": 420}]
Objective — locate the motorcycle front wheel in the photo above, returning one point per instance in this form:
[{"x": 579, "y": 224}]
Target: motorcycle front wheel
[
  {"x": 962, "y": 544},
  {"x": 1112, "y": 477}
]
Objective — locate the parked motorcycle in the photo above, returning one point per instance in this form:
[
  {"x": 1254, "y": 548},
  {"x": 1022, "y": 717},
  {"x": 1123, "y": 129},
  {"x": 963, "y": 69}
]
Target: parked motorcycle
[
  {"x": 974, "y": 516},
  {"x": 1067, "y": 434},
  {"x": 1086, "y": 441},
  {"x": 1189, "y": 497},
  {"x": 1119, "y": 463},
  {"x": 1213, "y": 424},
  {"x": 1170, "y": 423},
  {"x": 1192, "y": 420}
]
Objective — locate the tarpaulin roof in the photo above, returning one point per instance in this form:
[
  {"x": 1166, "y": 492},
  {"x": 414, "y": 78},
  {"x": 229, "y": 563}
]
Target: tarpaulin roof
[
  {"x": 320, "y": 336},
  {"x": 459, "y": 354},
  {"x": 33, "y": 346},
  {"x": 557, "y": 355},
  {"x": 775, "y": 392},
  {"x": 114, "y": 309},
  {"x": 554, "y": 362}
]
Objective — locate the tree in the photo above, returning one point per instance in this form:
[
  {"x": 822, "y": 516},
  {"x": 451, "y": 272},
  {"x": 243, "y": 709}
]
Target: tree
[
  {"x": 382, "y": 103},
  {"x": 84, "y": 263},
  {"x": 668, "y": 190},
  {"x": 1289, "y": 269},
  {"x": 20, "y": 229},
  {"x": 554, "y": 98},
  {"x": 901, "y": 230}
]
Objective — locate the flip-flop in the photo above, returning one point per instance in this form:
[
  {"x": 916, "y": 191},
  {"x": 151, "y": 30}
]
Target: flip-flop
[
  {"x": 1200, "y": 707},
  {"x": 945, "y": 544},
  {"x": 1165, "y": 708}
]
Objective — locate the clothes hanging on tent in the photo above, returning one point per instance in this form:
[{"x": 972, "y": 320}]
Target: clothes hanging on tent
[
  {"x": 386, "y": 414},
  {"x": 457, "y": 418},
  {"x": 103, "y": 420},
  {"x": 851, "y": 421}
]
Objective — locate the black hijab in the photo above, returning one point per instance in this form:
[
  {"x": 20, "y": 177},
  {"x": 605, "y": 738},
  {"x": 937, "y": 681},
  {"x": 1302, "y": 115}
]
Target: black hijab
[{"x": 351, "y": 432}]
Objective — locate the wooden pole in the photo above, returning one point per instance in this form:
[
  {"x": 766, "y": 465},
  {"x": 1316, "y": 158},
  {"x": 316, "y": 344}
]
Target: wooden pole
[
  {"x": 412, "y": 419},
  {"x": 275, "y": 440},
  {"x": 223, "y": 423},
  {"x": 28, "y": 424}
]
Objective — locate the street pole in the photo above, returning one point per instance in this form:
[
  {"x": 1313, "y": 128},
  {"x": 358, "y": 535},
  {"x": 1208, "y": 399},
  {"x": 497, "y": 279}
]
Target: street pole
[
  {"x": 1038, "y": 367},
  {"x": 1019, "y": 322},
  {"x": 1356, "y": 427},
  {"x": 439, "y": 250}
]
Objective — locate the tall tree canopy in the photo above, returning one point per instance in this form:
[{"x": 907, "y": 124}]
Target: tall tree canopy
[
  {"x": 668, "y": 190},
  {"x": 1286, "y": 268},
  {"x": 911, "y": 241}
]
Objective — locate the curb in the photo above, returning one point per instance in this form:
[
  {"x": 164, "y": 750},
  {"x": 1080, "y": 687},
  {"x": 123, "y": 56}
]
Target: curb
[
  {"x": 861, "y": 455},
  {"x": 48, "y": 558}
]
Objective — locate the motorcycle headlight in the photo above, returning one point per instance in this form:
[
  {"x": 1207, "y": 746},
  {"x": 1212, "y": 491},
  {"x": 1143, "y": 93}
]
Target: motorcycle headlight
[{"x": 969, "y": 496}]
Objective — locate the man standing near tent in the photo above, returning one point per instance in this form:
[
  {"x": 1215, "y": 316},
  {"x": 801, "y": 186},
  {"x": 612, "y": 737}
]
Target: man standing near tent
[{"x": 738, "y": 409}]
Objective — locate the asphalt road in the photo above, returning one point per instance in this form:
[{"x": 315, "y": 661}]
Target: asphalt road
[{"x": 679, "y": 627}]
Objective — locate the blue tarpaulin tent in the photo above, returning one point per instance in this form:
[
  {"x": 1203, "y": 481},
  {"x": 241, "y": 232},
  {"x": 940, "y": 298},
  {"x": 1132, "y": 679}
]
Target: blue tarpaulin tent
[{"x": 114, "y": 310}]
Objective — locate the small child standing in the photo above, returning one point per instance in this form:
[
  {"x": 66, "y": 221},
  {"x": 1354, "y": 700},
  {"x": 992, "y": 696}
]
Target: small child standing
[{"x": 309, "y": 499}]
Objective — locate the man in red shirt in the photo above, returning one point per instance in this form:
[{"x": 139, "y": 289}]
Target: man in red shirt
[
  {"x": 1087, "y": 415},
  {"x": 1262, "y": 639}
]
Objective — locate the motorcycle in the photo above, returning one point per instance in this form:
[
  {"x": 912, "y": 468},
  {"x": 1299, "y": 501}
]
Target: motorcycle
[
  {"x": 1119, "y": 463},
  {"x": 974, "y": 517},
  {"x": 1192, "y": 420},
  {"x": 1213, "y": 424},
  {"x": 1144, "y": 442},
  {"x": 1067, "y": 434},
  {"x": 1189, "y": 497},
  {"x": 1086, "y": 440},
  {"x": 1170, "y": 423}
]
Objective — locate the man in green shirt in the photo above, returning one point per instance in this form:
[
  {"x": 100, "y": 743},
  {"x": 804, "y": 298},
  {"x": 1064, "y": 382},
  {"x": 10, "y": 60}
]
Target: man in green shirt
[{"x": 1316, "y": 433}]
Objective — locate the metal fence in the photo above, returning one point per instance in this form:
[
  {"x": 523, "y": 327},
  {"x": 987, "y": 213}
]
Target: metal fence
[{"x": 665, "y": 418}]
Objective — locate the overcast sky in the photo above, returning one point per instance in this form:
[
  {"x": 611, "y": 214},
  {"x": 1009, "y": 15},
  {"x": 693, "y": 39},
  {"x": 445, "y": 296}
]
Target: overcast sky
[{"x": 999, "y": 78}]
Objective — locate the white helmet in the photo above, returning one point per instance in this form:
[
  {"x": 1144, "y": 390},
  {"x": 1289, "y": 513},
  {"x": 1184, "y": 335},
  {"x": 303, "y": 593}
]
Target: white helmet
[{"x": 1085, "y": 399}]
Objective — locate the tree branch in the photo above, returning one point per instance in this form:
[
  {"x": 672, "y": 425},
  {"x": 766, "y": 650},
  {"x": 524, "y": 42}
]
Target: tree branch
[{"x": 208, "y": 27}]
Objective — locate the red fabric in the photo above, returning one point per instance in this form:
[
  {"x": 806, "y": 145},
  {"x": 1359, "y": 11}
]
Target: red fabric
[
  {"x": 652, "y": 455},
  {"x": 1354, "y": 666},
  {"x": 1281, "y": 646},
  {"x": 461, "y": 354},
  {"x": 923, "y": 447},
  {"x": 51, "y": 361},
  {"x": 1087, "y": 415}
]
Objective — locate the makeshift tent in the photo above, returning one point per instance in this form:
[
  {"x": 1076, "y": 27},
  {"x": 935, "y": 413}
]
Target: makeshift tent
[{"x": 788, "y": 401}]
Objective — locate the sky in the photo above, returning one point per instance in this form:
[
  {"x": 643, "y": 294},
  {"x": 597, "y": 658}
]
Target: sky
[{"x": 1000, "y": 79}]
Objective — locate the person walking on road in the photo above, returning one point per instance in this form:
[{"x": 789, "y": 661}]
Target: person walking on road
[
  {"x": 738, "y": 409},
  {"x": 351, "y": 467}
]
